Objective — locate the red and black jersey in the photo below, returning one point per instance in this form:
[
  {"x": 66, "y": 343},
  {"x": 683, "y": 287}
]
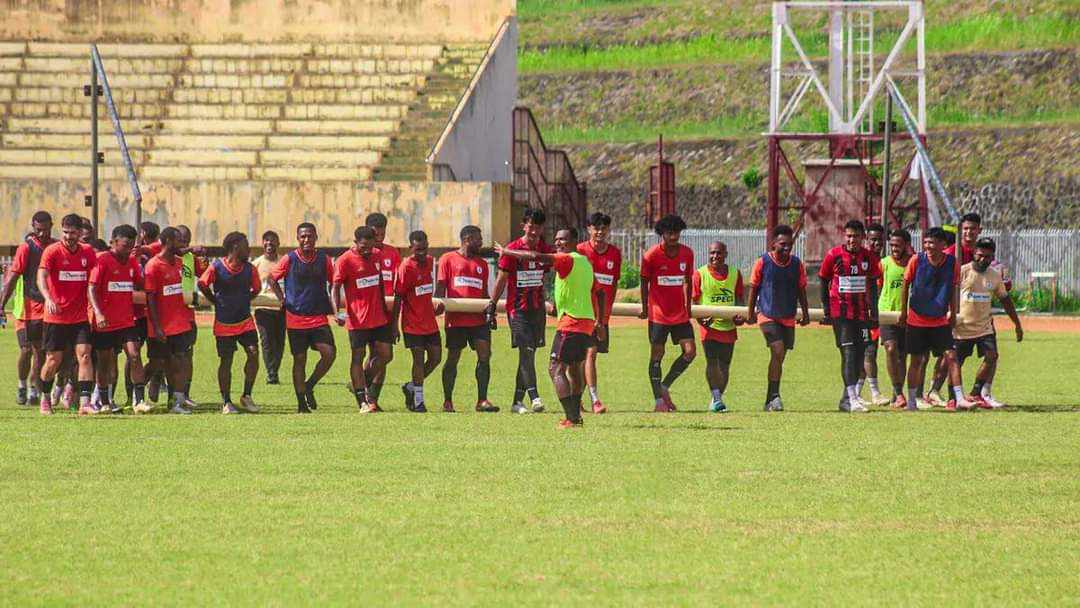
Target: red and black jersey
[
  {"x": 525, "y": 287},
  {"x": 850, "y": 276}
]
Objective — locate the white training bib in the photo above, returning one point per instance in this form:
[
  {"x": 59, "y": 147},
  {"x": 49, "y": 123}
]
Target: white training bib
[
  {"x": 176, "y": 289},
  {"x": 121, "y": 286},
  {"x": 366, "y": 282},
  {"x": 72, "y": 275},
  {"x": 852, "y": 284},
  {"x": 604, "y": 279},
  {"x": 670, "y": 280},
  {"x": 530, "y": 278},
  {"x": 464, "y": 282},
  {"x": 423, "y": 290}
]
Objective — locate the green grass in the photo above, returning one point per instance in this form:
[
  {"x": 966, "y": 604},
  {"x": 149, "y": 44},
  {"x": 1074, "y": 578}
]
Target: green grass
[
  {"x": 537, "y": 9},
  {"x": 805, "y": 507},
  {"x": 980, "y": 33}
]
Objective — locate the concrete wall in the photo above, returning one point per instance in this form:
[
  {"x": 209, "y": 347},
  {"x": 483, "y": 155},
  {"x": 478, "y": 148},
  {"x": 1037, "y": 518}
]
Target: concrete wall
[
  {"x": 478, "y": 141},
  {"x": 337, "y": 208},
  {"x": 254, "y": 20}
]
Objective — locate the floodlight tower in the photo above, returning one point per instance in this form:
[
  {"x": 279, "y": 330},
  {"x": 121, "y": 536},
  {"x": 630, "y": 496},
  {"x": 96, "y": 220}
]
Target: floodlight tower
[{"x": 842, "y": 183}]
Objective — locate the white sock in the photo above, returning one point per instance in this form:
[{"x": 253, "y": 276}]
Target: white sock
[
  {"x": 853, "y": 394},
  {"x": 34, "y": 391},
  {"x": 22, "y": 383},
  {"x": 178, "y": 398},
  {"x": 986, "y": 389},
  {"x": 858, "y": 386},
  {"x": 418, "y": 394},
  {"x": 958, "y": 392},
  {"x": 874, "y": 390},
  {"x": 716, "y": 394},
  {"x": 594, "y": 393}
]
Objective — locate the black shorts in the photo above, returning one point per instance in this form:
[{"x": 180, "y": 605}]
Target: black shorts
[
  {"x": 602, "y": 346},
  {"x": 226, "y": 345},
  {"x": 302, "y": 339},
  {"x": 114, "y": 340},
  {"x": 982, "y": 345},
  {"x": 360, "y": 338},
  {"x": 177, "y": 344},
  {"x": 921, "y": 340},
  {"x": 527, "y": 329},
  {"x": 458, "y": 337},
  {"x": 775, "y": 332},
  {"x": 720, "y": 351},
  {"x": 31, "y": 334},
  {"x": 62, "y": 336},
  {"x": 570, "y": 346},
  {"x": 849, "y": 332},
  {"x": 894, "y": 333},
  {"x": 422, "y": 340},
  {"x": 659, "y": 333}
]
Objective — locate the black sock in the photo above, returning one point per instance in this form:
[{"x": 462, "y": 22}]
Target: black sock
[
  {"x": 527, "y": 374},
  {"x": 86, "y": 387},
  {"x": 309, "y": 385},
  {"x": 226, "y": 397},
  {"x": 46, "y": 387},
  {"x": 103, "y": 392},
  {"x": 571, "y": 405},
  {"x": 977, "y": 388},
  {"x": 138, "y": 392},
  {"x": 361, "y": 396},
  {"x": 375, "y": 390},
  {"x": 897, "y": 389},
  {"x": 774, "y": 390},
  {"x": 301, "y": 401},
  {"x": 654, "y": 378},
  {"x": 168, "y": 390},
  {"x": 128, "y": 386},
  {"x": 483, "y": 378},
  {"x": 850, "y": 363},
  {"x": 678, "y": 366},
  {"x": 519, "y": 390},
  {"x": 248, "y": 385},
  {"x": 449, "y": 378}
]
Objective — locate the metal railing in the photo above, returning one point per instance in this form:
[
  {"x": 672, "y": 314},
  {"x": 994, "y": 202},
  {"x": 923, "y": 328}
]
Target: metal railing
[
  {"x": 1022, "y": 252},
  {"x": 543, "y": 177}
]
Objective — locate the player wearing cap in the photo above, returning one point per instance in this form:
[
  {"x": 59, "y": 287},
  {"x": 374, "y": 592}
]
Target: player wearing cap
[
  {"x": 717, "y": 284},
  {"x": 578, "y": 300},
  {"x": 606, "y": 260},
  {"x": 666, "y": 271},
  {"x": 62, "y": 278},
  {"x": 464, "y": 274},
  {"x": 29, "y": 307},
  {"x": 358, "y": 273},
  {"x": 113, "y": 281},
  {"x": 849, "y": 299},
  {"x": 777, "y": 284},
  {"x": 414, "y": 286},
  {"x": 229, "y": 284},
  {"x": 300, "y": 283}
]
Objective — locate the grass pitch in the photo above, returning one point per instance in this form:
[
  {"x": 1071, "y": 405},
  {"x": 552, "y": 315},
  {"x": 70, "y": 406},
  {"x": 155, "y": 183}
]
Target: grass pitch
[{"x": 809, "y": 506}]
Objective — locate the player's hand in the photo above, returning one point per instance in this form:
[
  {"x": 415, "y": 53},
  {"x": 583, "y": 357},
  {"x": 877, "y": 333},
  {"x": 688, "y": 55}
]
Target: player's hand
[
  {"x": 395, "y": 333},
  {"x": 440, "y": 308},
  {"x": 804, "y": 318},
  {"x": 549, "y": 307},
  {"x": 101, "y": 322},
  {"x": 644, "y": 314},
  {"x": 52, "y": 307},
  {"x": 902, "y": 319},
  {"x": 339, "y": 318},
  {"x": 705, "y": 322},
  {"x": 738, "y": 320},
  {"x": 751, "y": 317},
  {"x": 1019, "y": 334},
  {"x": 600, "y": 332},
  {"x": 497, "y": 247}
]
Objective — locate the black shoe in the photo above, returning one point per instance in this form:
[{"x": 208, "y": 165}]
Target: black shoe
[
  {"x": 309, "y": 396},
  {"x": 303, "y": 409},
  {"x": 20, "y": 396},
  {"x": 410, "y": 401}
]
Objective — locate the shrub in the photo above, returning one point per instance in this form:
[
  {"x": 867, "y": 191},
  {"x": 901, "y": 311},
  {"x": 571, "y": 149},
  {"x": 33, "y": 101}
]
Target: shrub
[{"x": 630, "y": 277}]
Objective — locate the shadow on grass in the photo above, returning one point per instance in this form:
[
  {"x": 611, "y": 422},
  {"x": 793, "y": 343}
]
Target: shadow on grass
[
  {"x": 1042, "y": 408},
  {"x": 688, "y": 427}
]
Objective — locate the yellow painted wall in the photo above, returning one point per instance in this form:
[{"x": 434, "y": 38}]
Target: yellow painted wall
[
  {"x": 253, "y": 20},
  {"x": 213, "y": 209}
]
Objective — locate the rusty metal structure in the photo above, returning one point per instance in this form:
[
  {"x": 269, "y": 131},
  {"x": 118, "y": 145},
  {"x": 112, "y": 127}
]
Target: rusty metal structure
[
  {"x": 543, "y": 177},
  {"x": 661, "y": 199}
]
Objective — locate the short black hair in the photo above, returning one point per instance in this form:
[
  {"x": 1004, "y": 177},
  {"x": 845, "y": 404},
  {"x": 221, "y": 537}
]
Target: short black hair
[
  {"x": 986, "y": 243},
  {"x": 937, "y": 233},
  {"x": 168, "y": 234},
  {"x": 669, "y": 223},
  {"x": 125, "y": 231},
  {"x": 782, "y": 230},
  {"x": 597, "y": 220},
  {"x": 270, "y": 234},
  {"x": 875, "y": 227},
  {"x": 467, "y": 230},
  {"x": 99, "y": 245},
  {"x": 364, "y": 232},
  {"x": 574, "y": 234},
  {"x": 232, "y": 240},
  {"x": 40, "y": 217},
  {"x": 900, "y": 232},
  {"x": 87, "y": 224},
  {"x": 417, "y": 235},
  {"x": 303, "y": 225},
  {"x": 184, "y": 228},
  {"x": 71, "y": 220},
  {"x": 974, "y": 218},
  {"x": 375, "y": 220},
  {"x": 533, "y": 216},
  {"x": 150, "y": 229},
  {"x": 855, "y": 225}
]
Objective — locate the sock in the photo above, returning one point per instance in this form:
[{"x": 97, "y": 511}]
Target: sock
[
  {"x": 449, "y": 378},
  {"x": 375, "y": 390},
  {"x": 138, "y": 392},
  {"x": 248, "y": 386},
  {"x": 853, "y": 394},
  {"x": 654, "y": 379},
  {"x": 483, "y": 377},
  {"x": 95, "y": 396},
  {"x": 774, "y": 390},
  {"x": 912, "y": 396},
  {"x": 571, "y": 405},
  {"x": 678, "y": 366},
  {"x": 874, "y": 389},
  {"x": 958, "y": 391},
  {"x": 594, "y": 394},
  {"x": 936, "y": 385},
  {"x": 717, "y": 394},
  {"x": 519, "y": 390},
  {"x": 309, "y": 385},
  {"x": 533, "y": 392},
  {"x": 84, "y": 391},
  {"x": 418, "y": 394},
  {"x": 859, "y": 385},
  {"x": 46, "y": 387},
  {"x": 178, "y": 398},
  {"x": 361, "y": 396},
  {"x": 897, "y": 389},
  {"x": 22, "y": 383},
  {"x": 226, "y": 397},
  {"x": 301, "y": 401},
  {"x": 986, "y": 389},
  {"x": 977, "y": 388},
  {"x": 106, "y": 398},
  {"x": 129, "y": 387}
]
